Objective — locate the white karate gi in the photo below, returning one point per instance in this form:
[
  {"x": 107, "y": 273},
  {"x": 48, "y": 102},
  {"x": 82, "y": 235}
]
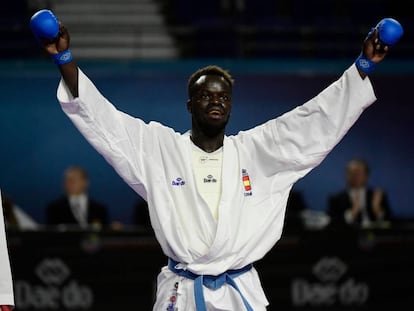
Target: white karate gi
[
  {"x": 6, "y": 283},
  {"x": 156, "y": 162}
]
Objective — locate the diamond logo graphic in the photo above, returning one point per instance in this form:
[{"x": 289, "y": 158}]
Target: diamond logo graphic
[
  {"x": 52, "y": 271},
  {"x": 329, "y": 269}
]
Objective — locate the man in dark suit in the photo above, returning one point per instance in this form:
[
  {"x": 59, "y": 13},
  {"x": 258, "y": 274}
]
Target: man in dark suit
[
  {"x": 359, "y": 205},
  {"x": 75, "y": 207}
]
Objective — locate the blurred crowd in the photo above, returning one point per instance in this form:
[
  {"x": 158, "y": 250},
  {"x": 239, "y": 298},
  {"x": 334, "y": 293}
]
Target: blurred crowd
[{"x": 359, "y": 204}]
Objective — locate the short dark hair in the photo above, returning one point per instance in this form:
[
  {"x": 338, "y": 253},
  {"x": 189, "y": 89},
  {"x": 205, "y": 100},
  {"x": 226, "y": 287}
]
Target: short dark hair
[
  {"x": 362, "y": 162},
  {"x": 79, "y": 169},
  {"x": 209, "y": 70}
]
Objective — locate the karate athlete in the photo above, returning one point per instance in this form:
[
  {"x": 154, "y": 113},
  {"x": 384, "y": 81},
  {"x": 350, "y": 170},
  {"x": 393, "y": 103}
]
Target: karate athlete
[
  {"x": 6, "y": 283},
  {"x": 216, "y": 202}
]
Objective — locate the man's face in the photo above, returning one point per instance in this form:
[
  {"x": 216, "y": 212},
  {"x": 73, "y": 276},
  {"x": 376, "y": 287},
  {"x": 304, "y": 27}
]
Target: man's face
[
  {"x": 210, "y": 104},
  {"x": 75, "y": 182},
  {"x": 357, "y": 175}
]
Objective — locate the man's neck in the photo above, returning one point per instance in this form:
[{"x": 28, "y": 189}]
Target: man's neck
[
  {"x": 357, "y": 189},
  {"x": 207, "y": 143},
  {"x": 78, "y": 196}
]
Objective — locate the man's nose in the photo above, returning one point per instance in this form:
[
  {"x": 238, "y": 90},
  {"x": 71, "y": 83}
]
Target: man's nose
[{"x": 216, "y": 98}]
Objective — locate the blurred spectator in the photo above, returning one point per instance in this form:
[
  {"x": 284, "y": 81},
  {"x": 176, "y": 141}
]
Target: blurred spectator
[
  {"x": 76, "y": 207},
  {"x": 15, "y": 217},
  {"x": 359, "y": 204}
]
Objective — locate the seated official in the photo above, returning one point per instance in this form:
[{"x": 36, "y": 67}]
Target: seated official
[
  {"x": 359, "y": 204},
  {"x": 76, "y": 208}
]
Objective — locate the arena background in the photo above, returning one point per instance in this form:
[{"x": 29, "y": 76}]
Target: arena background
[
  {"x": 140, "y": 54},
  {"x": 39, "y": 141}
]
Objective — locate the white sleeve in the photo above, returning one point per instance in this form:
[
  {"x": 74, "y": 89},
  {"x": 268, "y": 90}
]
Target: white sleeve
[
  {"x": 120, "y": 138},
  {"x": 6, "y": 283},
  {"x": 300, "y": 139}
]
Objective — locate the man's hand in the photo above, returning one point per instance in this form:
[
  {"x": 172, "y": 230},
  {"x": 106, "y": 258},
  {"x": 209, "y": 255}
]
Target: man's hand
[
  {"x": 356, "y": 206},
  {"x": 49, "y": 32},
  {"x": 373, "y": 48},
  {"x": 56, "y": 46},
  {"x": 377, "y": 203},
  {"x": 377, "y": 44},
  {"x": 68, "y": 70},
  {"x": 59, "y": 44}
]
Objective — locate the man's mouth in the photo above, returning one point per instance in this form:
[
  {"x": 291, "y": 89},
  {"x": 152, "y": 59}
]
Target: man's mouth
[{"x": 215, "y": 112}]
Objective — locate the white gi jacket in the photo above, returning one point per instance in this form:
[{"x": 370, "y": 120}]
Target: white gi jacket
[
  {"x": 6, "y": 283},
  {"x": 156, "y": 162}
]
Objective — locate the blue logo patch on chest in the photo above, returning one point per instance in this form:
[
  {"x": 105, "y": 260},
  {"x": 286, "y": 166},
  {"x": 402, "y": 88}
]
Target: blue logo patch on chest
[{"x": 178, "y": 182}]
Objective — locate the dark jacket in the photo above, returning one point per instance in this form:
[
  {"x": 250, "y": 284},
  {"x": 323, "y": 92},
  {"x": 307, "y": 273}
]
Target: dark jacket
[
  {"x": 341, "y": 201},
  {"x": 59, "y": 212}
]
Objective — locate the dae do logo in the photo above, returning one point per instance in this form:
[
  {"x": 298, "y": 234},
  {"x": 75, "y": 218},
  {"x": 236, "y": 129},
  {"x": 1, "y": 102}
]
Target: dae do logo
[
  {"x": 56, "y": 290},
  {"x": 332, "y": 286}
]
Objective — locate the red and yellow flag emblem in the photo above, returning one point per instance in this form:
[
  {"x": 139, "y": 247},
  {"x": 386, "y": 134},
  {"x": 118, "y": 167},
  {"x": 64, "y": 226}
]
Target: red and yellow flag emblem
[{"x": 246, "y": 182}]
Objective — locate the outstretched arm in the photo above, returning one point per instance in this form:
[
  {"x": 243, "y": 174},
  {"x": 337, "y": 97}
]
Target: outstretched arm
[
  {"x": 301, "y": 138},
  {"x": 69, "y": 71},
  {"x": 123, "y": 140},
  {"x": 54, "y": 38}
]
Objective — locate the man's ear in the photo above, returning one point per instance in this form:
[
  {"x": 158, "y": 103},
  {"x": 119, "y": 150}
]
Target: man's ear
[{"x": 189, "y": 106}]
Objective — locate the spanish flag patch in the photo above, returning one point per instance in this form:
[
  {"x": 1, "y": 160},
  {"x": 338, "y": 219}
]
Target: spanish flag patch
[{"x": 246, "y": 183}]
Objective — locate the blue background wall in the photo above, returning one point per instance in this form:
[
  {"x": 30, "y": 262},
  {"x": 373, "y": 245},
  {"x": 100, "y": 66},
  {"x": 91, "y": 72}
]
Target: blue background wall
[{"x": 38, "y": 141}]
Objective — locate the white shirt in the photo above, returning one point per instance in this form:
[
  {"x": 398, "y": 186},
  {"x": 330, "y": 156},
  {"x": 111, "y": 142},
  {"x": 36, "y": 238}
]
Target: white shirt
[
  {"x": 79, "y": 207},
  {"x": 207, "y": 171},
  {"x": 360, "y": 195}
]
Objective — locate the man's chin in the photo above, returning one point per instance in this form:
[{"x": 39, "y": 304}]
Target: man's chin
[{"x": 214, "y": 127}]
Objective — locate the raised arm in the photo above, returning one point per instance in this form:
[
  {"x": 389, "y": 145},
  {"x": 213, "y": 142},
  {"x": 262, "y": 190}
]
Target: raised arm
[
  {"x": 55, "y": 40},
  {"x": 301, "y": 138},
  {"x": 69, "y": 71},
  {"x": 123, "y": 140}
]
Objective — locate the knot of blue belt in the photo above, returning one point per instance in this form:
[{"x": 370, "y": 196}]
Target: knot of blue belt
[{"x": 211, "y": 281}]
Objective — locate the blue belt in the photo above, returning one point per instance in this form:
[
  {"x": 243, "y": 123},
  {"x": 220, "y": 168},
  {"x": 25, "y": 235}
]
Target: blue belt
[{"x": 211, "y": 281}]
